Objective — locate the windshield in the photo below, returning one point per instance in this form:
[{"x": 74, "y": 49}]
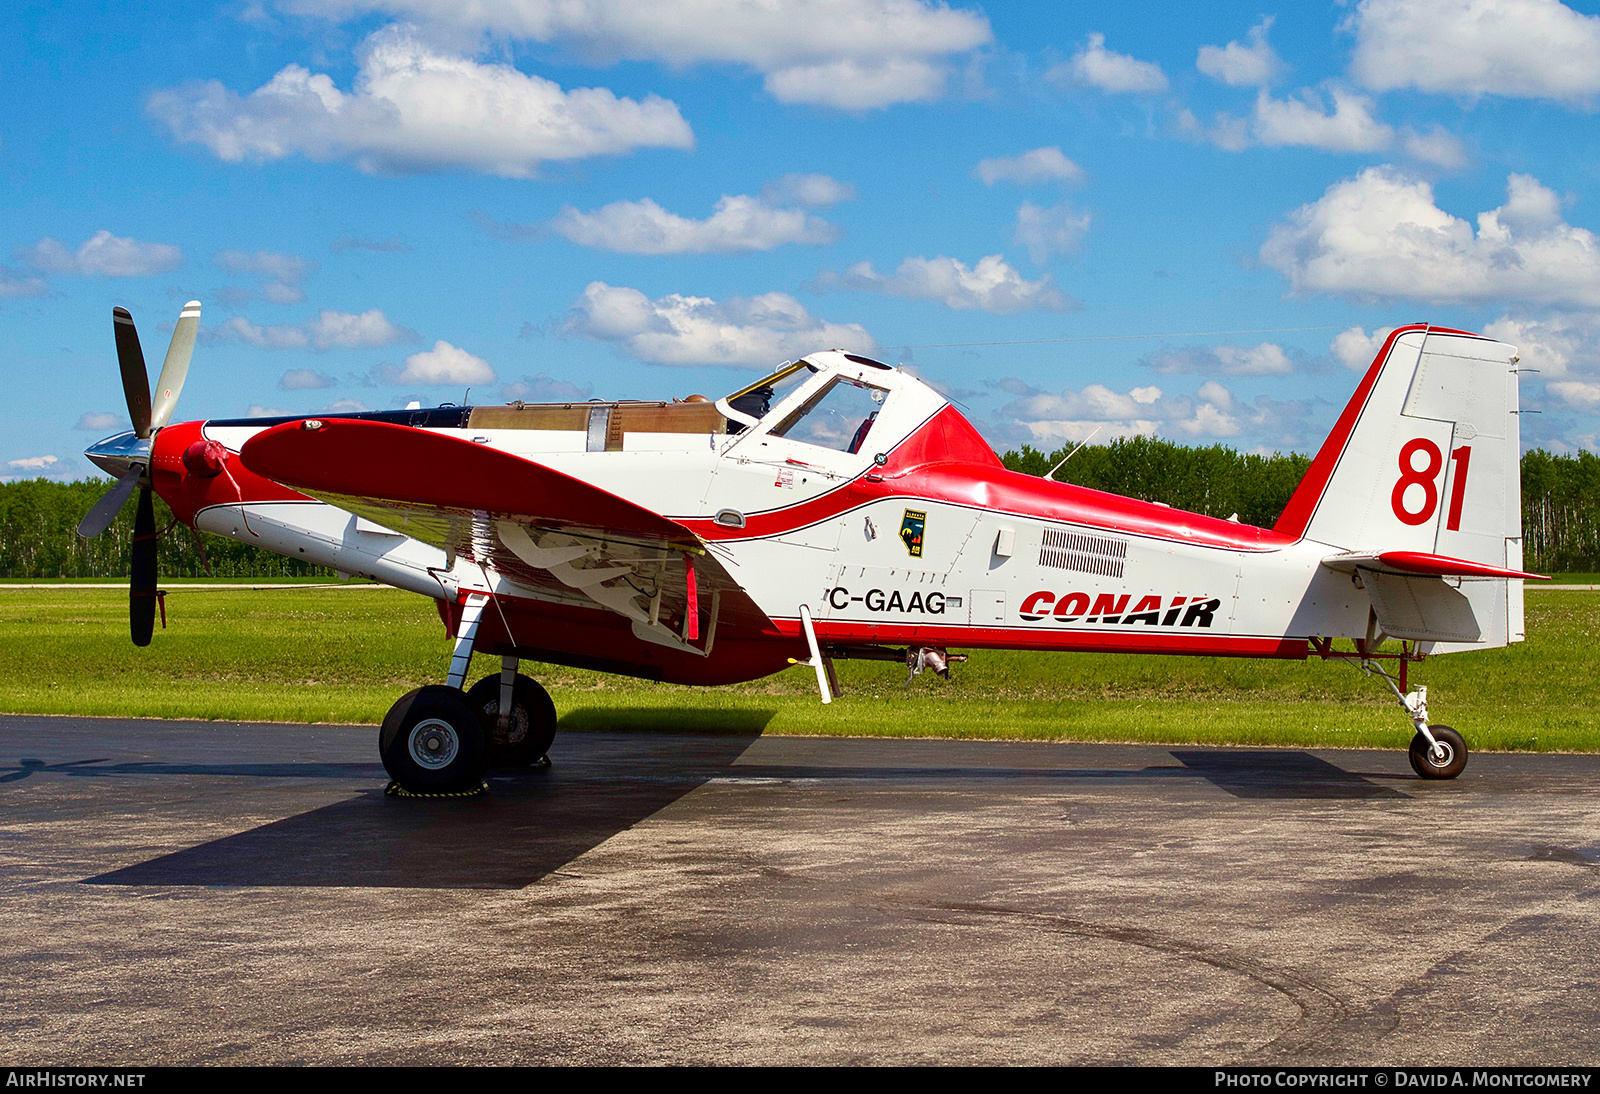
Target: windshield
[
  {"x": 761, "y": 396},
  {"x": 840, "y": 416}
]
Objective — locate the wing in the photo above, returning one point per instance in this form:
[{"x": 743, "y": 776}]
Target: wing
[{"x": 543, "y": 529}]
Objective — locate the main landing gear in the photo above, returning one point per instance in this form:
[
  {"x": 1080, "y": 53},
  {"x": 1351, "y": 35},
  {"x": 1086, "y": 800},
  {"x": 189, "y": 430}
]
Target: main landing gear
[
  {"x": 1437, "y": 751},
  {"x": 439, "y": 740}
]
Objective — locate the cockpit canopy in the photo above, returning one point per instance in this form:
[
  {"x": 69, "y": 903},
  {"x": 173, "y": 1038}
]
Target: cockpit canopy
[{"x": 831, "y": 400}]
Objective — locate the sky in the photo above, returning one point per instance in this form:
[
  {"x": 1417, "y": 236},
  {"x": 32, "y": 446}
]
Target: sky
[{"x": 1076, "y": 221}]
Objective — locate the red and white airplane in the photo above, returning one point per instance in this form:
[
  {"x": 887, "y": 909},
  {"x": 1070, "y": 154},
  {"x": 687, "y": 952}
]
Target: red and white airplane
[{"x": 839, "y": 508}]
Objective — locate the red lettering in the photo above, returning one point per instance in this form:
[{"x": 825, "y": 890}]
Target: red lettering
[
  {"x": 1458, "y": 488},
  {"x": 1109, "y": 609},
  {"x": 1036, "y": 605},
  {"x": 1411, "y": 475},
  {"x": 1071, "y": 606}
]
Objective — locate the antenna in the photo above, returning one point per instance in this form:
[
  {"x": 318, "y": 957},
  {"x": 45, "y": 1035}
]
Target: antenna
[{"x": 1050, "y": 473}]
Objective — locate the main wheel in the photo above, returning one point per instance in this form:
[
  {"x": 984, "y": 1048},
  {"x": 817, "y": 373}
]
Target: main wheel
[
  {"x": 1448, "y": 766},
  {"x": 432, "y": 743},
  {"x": 531, "y": 728}
]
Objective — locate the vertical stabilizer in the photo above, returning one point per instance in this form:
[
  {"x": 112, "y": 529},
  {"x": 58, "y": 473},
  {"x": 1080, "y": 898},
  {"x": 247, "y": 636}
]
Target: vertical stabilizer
[{"x": 1427, "y": 457}]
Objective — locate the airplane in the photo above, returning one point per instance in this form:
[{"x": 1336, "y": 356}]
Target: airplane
[{"x": 838, "y": 508}]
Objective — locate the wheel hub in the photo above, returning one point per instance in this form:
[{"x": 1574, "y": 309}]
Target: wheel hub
[{"x": 433, "y": 743}]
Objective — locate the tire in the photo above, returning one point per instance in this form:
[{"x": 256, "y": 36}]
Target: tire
[
  {"x": 533, "y": 720},
  {"x": 432, "y": 743},
  {"x": 1424, "y": 763}
]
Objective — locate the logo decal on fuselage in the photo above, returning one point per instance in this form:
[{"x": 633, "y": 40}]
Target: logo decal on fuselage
[
  {"x": 1179, "y": 611},
  {"x": 911, "y": 529}
]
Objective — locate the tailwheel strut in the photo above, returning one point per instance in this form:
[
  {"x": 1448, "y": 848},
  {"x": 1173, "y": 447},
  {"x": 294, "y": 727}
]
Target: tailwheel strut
[{"x": 1437, "y": 751}]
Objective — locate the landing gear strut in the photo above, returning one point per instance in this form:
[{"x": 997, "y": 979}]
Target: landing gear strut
[
  {"x": 439, "y": 740},
  {"x": 1437, "y": 751}
]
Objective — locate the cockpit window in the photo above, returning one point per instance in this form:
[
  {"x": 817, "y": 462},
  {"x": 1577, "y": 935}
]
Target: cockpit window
[
  {"x": 840, "y": 416},
  {"x": 761, "y": 396}
]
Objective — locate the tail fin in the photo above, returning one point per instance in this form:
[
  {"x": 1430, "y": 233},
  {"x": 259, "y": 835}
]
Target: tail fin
[{"x": 1426, "y": 457}]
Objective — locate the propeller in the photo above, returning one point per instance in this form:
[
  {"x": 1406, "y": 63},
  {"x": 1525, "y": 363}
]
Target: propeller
[{"x": 147, "y": 419}]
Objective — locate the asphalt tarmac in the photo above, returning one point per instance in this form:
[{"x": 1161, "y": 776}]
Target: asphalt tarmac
[{"x": 183, "y": 893}]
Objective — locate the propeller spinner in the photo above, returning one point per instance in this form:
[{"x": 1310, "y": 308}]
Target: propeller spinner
[{"x": 128, "y": 455}]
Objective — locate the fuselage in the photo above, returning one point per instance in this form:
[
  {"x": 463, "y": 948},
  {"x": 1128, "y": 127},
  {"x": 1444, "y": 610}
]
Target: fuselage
[{"x": 910, "y": 532}]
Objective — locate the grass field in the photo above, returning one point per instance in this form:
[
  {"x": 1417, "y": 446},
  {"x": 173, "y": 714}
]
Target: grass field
[{"x": 344, "y": 655}]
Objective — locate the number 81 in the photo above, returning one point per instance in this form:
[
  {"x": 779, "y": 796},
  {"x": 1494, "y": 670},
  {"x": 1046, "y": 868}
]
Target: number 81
[{"x": 1412, "y": 475}]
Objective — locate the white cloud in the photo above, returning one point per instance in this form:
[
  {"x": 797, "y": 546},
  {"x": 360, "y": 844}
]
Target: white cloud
[
  {"x": 416, "y": 109},
  {"x": 813, "y": 191},
  {"x": 240, "y": 329},
  {"x": 1266, "y": 359},
  {"x": 1355, "y": 348},
  {"x": 98, "y": 421},
  {"x": 1254, "y": 65},
  {"x": 280, "y": 274},
  {"x": 1114, "y": 73},
  {"x": 1437, "y": 146},
  {"x": 258, "y": 411},
  {"x": 1304, "y": 120},
  {"x": 1381, "y": 235},
  {"x": 1555, "y": 344},
  {"x": 329, "y": 330},
  {"x": 348, "y": 330},
  {"x": 33, "y": 463},
  {"x": 740, "y": 223},
  {"x": 1301, "y": 120},
  {"x": 851, "y": 84},
  {"x": 445, "y": 364},
  {"x": 754, "y": 332},
  {"x": 343, "y": 406},
  {"x": 1046, "y": 232},
  {"x": 305, "y": 379},
  {"x": 992, "y": 285},
  {"x": 1069, "y": 416},
  {"x": 1053, "y": 419},
  {"x": 17, "y": 283},
  {"x": 1576, "y": 394},
  {"x": 1038, "y": 166},
  {"x": 544, "y": 388},
  {"x": 1517, "y": 48},
  {"x": 848, "y": 54},
  {"x": 103, "y": 254}
]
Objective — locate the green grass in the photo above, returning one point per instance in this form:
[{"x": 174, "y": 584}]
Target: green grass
[{"x": 333, "y": 656}]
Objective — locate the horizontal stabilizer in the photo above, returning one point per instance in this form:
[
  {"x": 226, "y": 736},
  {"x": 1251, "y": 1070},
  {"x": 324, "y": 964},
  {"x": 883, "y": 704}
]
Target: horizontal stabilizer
[{"x": 1420, "y": 562}]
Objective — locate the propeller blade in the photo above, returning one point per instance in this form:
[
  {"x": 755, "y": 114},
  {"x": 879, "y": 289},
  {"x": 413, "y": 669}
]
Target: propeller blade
[
  {"x": 176, "y": 367},
  {"x": 99, "y": 518},
  {"x": 142, "y": 589},
  {"x": 135, "y": 380}
]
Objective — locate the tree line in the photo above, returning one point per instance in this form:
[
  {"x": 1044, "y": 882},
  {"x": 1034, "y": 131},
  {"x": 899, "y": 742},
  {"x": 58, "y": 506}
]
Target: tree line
[{"x": 1560, "y": 509}]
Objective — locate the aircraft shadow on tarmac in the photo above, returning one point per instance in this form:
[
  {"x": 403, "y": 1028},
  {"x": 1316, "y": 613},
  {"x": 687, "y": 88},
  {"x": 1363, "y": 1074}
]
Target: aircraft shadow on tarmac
[
  {"x": 534, "y": 822},
  {"x": 1279, "y": 774}
]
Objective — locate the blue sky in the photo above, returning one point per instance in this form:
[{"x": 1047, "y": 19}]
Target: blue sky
[{"x": 380, "y": 201}]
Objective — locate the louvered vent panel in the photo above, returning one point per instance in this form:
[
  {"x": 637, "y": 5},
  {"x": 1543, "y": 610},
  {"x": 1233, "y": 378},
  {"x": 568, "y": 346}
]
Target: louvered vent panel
[{"x": 1086, "y": 554}]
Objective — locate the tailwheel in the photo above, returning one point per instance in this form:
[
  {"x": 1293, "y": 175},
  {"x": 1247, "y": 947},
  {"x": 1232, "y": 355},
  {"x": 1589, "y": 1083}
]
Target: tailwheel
[
  {"x": 526, "y": 734},
  {"x": 1445, "y": 761},
  {"x": 432, "y": 742}
]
